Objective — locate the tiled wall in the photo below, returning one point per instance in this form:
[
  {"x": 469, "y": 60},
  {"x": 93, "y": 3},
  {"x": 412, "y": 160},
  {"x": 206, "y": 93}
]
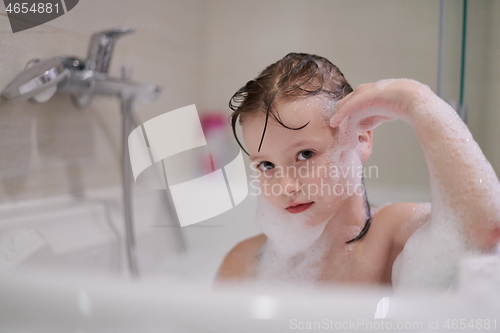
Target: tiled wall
[
  {"x": 54, "y": 148},
  {"x": 202, "y": 51}
]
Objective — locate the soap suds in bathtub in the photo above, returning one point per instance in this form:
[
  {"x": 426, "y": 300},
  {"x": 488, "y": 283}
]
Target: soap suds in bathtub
[{"x": 432, "y": 255}]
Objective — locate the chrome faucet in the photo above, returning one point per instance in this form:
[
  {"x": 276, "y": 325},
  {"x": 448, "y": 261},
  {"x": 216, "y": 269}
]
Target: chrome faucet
[
  {"x": 101, "y": 48},
  {"x": 39, "y": 78},
  {"x": 81, "y": 79}
]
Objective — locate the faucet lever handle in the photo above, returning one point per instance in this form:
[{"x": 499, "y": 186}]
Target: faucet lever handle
[{"x": 101, "y": 48}]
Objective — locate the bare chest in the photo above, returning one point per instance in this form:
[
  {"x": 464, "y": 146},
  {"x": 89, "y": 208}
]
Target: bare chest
[
  {"x": 360, "y": 264},
  {"x": 356, "y": 268}
]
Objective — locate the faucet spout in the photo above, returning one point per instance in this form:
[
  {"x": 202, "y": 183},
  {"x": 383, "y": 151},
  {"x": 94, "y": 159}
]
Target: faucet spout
[
  {"x": 101, "y": 48},
  {"x": 124, "y": 88},
  {"x": 37, "y": 78}
]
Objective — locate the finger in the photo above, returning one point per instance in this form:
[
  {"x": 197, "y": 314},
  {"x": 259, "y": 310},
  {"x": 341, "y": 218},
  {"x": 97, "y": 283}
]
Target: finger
[
  {"x": 362, "y": 98},
  {"x": 354, "y": 124},
  {"x": 340, "y": 114},
  {"x": 369, "y": 123},
  {"x": 347, "y": 133}
]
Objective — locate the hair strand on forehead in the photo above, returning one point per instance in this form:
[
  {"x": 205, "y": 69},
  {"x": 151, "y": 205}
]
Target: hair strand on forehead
[{"x": 297, "y": 75}]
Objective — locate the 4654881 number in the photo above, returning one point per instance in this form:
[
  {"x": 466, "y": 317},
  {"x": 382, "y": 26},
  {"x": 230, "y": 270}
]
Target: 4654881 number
[{"x": 39, "y": 8}]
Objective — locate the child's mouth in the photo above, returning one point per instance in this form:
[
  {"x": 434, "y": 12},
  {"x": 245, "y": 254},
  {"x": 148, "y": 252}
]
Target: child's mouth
[{"x": 299, "y": 208}]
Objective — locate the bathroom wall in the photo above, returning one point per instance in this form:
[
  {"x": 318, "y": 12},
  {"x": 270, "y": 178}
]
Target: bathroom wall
[
  {"x": 54, "y": 148},
  {"x": 202, "y": 51}
]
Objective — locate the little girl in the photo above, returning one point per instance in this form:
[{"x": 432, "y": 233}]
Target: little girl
[{"x": 308, "y": 135}]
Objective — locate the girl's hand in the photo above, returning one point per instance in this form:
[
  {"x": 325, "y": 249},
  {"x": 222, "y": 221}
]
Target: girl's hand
[
  {"x": 372, "y": 104},
  {"x": 465, "y": 190}
]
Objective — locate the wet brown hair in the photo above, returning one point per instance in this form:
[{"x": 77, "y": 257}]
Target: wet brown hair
[{"x": 297, "y": 75}]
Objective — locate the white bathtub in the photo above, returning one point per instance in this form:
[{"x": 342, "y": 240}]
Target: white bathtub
[{"x": 63, "y": 269}]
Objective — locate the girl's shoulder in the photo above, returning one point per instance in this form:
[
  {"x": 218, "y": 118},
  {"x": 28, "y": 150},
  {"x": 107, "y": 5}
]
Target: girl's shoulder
[
  {"x": 239, "y": 261},
  {"x": 401, "y": 220},
  {"x": 393, "y": 224}
]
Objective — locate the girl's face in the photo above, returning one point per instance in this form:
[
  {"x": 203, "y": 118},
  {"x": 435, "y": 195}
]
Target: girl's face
[{"x": 303, "y": 171}]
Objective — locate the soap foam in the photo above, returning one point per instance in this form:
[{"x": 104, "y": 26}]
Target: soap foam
[
  {"x": 288, "y": 234},
  {"x": 301, "y": 269},
  {"x": 382, "y": 84},
  {"x": 345, "y": 168},
  {"x": 329, "y": 108},
  {"x": 432, "y": 255},
  {"x": 292, "y": 253}
]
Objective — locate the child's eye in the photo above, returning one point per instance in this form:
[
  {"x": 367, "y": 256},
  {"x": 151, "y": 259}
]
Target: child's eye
[
  {"x": 305, "y": 155},
  {"x": 266, "y": 165}
]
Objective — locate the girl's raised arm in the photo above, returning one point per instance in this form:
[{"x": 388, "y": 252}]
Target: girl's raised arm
[{"x": 465, "y": 191}]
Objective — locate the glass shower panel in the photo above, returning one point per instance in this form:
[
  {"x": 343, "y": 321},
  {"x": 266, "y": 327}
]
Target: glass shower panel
[{"x": 451, "y": 55}]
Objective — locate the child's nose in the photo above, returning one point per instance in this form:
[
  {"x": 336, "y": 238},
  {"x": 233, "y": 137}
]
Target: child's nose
[{"x": 290, "y": 185}]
